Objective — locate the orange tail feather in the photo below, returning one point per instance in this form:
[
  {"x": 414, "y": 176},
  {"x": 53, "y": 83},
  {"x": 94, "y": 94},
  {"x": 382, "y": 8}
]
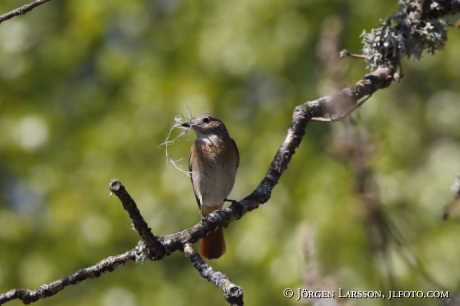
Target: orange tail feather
[{"x": 213, "y": 245}]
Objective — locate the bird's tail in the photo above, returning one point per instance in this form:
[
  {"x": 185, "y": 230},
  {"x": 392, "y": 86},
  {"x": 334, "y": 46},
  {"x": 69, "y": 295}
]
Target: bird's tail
[{"x": 213, "y": 245}]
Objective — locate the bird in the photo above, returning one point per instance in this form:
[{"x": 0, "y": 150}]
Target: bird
[{"x": 213, "y": 162}]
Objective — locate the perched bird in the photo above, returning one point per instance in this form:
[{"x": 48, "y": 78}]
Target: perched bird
[{"x": 213, "y": 161}]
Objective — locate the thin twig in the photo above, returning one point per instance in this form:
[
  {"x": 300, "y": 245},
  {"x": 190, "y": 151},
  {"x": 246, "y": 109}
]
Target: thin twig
[
  {"x": 344, "y": 115},
  {"x": 22, "y": 10},
  {"x": 345, "y": 53}
]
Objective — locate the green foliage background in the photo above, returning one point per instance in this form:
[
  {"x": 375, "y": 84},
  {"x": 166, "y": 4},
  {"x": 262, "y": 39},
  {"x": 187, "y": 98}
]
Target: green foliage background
[{"x": 89, "y": 90}]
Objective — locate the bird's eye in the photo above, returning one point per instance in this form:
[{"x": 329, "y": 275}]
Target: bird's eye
[{"x": 206, "y": 120}]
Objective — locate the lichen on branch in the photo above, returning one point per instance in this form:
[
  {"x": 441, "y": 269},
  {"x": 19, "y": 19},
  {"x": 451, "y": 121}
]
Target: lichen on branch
[{"x": 408, "y": 32}]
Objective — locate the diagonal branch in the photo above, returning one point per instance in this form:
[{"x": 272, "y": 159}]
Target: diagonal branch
[
  {"x": 152, "y": 243},
  {"x": 303, "y": 113},
  {"x": 46, "y": 290},
  {"x": 22, "y": 10},
  {"x": 157, "y": 247},
  {"x": 233, "y": 294}
]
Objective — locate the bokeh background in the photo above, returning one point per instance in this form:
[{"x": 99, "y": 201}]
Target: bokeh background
[{"x": 89, "y": 90}]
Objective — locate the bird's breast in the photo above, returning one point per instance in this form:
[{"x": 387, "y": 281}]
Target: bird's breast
[{"x": 213, "y": 163}]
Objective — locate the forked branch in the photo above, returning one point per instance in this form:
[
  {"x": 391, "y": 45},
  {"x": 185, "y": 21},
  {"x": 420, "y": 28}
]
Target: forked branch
[{"x": 156, "y": 248}]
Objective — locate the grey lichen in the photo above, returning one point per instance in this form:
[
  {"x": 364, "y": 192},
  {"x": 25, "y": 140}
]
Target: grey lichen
[
  {"x": 141, "y": 252},
  {"x": 409, "y": 32}
]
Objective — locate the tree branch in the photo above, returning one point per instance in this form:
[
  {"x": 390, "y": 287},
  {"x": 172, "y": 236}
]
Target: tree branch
[
  {"x": 233, "y": 294},
  {"x": 22, "y": 10},
  {"x": 344, "y": 115},
  {"x": 155, "y": 248},
  {"x": 107, "y": 265}
]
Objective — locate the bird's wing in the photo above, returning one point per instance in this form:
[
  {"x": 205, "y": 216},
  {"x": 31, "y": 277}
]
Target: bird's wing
[
  {"x": 238, "y": 153},
  {"x": 190, "y": 169}
]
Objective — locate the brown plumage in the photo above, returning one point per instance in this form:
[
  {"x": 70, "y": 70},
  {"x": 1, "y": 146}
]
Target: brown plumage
[{"x": 213, "y": 162}]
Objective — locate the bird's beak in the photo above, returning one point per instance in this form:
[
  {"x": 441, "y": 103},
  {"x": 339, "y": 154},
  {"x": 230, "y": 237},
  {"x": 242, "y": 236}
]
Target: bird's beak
[{"x": 187, "y": 124}]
